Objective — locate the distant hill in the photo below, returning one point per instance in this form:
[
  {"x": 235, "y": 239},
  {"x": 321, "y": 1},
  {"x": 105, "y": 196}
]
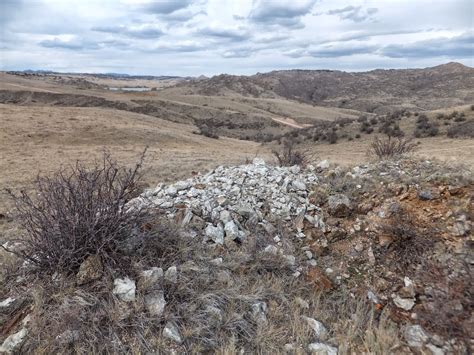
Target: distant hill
[{"x": 373, "y": 91}]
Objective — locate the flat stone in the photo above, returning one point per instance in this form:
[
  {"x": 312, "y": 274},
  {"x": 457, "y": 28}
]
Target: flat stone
[
  {"x": 171, "y": 331},
  {"x": 155, "y": 303},
  {"x": 415, "y": 336},
  {"x": 14, "y": 341},
  {"x": 124, "y": 289},
  {"x": 318, "y": 327},
  {"x": 322, "y": 349}
]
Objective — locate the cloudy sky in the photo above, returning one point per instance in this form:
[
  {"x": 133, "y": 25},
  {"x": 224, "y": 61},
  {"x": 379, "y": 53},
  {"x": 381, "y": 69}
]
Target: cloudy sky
[{"x": 194, "y": 37}]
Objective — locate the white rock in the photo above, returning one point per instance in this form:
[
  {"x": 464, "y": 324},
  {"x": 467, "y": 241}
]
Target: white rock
[
  {"x": 155, "y": 303},
  {"x": 124, "y": 289},
  {"x": 151, "y": 276},
  {"x": 172, "y": 274},
  {"x": 225, "y": 216},
  {"x": 290, "y": 259},
  {"x": 271, "y": 249},
  {"x": 323, "y": 164},
  {"x": 7, "y": 302},
  {"x": 216, "y": 234},
  {"x": 295, "y": 169},
  {"x": 13, "y": 342},
  {"x": 171, "y": 191},
  {"x": 322, "y": 349},
  {"x": 318, "y": 327},
  {"x": 302, "y": 303},
  {"x": 182, "y": 185},
  {"x": 231, "y": 230},
  {"x": 404, "y": 303},
  {"x": 415, "y": 336},
  {"x": 171, "y": 331},
  {"x": 258, "y": 162},
  {"x": 259, "y": 310},
  {"x": 299, "y": 185}
]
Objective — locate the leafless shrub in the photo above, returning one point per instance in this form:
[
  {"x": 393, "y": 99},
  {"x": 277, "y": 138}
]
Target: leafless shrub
[
  {"x": 78, "y": 212},
  {"x": 409, "y": 242},
  {"x": 391, "y": 147},
  {"x": 289, "y": 156}
]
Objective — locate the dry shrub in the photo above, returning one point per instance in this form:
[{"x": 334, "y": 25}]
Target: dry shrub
[
  {"x": 78, "y": 212},
  {"x": 290, "y": 156},
  {"x": 409, "y": 243},
  {"x": 391, "y": 147}
]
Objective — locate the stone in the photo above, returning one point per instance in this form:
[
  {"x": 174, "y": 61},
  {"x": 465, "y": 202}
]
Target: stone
[
  {"x": 171, "y": 331},
  {"x": 339, "y": 205},
  {"x": 155, "y": 303},
  {"x": 435, "y": 350},
  {"x": 171, "y": 274},
  {"x": 322, "y": 349},
  {"x": 425, "y": 195},
  {"x": 404, "y": 303},
  {"x": 271, "y": 249},
  {"x": 258, "y": 162},
  {"x": 124, "y": 289},
  {"x": 149, "y": 278},
  {"x": 299, "y": 185},
  {"x": 318, "y": 327},
  {"x": 290, "y": 259},
  {"x": 415, "y": 336},
  {"x": 7, "y": 302},
  {"x": 216, "y": 234},
  {"x": 323, "y": 164},
  {"x": 14, "y": 341},
  {"x": 259, "y": 311},
  {"x": 231, "y": 230},
  {"x": 90, "y": 270},
  {"x": 225, "y": 216}
]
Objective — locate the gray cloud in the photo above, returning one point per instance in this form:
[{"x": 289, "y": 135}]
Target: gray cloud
[
  {"x": 231, "y": 34},
  {"x": 71, "y": 45},
  {"x": 238, "y": 53},
  {"x": 142, "y": 32},
  {"x": 165, "y": 6},
  {"x": 353, "y": 13},
  {"x": 457, "y": 47},
  {"x": 281, "y": 13}
]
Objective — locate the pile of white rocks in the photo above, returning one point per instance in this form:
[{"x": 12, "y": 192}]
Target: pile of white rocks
[{"x": 229, "y": 199}]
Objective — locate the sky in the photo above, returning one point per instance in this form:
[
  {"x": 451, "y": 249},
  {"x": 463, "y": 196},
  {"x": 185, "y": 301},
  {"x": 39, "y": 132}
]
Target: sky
[{"x": 210, "y": 37}]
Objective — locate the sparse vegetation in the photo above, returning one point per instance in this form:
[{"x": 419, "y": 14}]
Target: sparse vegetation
[
  {"x": 290, "y": 156},
  {"x": 391, "y": 147},
  {"x": 79, "y": 212}
]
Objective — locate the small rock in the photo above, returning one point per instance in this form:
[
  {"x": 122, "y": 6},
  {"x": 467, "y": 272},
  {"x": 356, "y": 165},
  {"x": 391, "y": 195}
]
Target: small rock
[
  {"x": 271, "y": 249},
  {"x": 415, "y": 336},
  {"x": 318, "y": 327},
  {"x": 13, "y": 342},
  {"x": 171, "y": 274},
  {"x": 149, "y": 278},
  {"x": 299, "y": 185},
  {"x": 404, "y": 303},
  {"x": 435, "y": 350},
  {"x": 309, "y": 254},
  {"x": 7, "y": 302},
  {"x": 322, "y": 349},
  {"x": 323, "y": 164},
  {"x": 171, "y": 331},
  {"x": 259, "y": 311},
  {"x": 155, "y": 303},
  {"x": 216, "y": 261},
  {"x": 359, "y": 247},
  {"x": 125, "y": 289},
  {"x": 231, "y": 230},
  {"x": 371, "y": 256},
  {"x": 216, "y": 234},
  {"x": 425, "y": 195},
  {"x": 90, "y": 270},
  {"x": 258, "y": 162},
  {"x": 339, "y": 205},
  {"x": 290, "y": 259}
]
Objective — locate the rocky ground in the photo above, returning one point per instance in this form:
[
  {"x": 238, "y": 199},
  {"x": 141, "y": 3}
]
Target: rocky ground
[{"x": 374, "y": 258}]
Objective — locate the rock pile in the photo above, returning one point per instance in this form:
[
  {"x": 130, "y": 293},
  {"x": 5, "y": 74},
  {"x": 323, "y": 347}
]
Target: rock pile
[{"x": 230, "y": 200}]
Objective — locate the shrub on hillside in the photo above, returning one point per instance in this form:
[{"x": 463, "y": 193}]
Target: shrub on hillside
[
  {"x": 289, "y": 156},
  {"x": 79, "y": 212},
  {"x": 391, "y": 147}
]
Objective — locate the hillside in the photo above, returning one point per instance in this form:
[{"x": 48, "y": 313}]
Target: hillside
[{"x": 378, "y": 91}]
